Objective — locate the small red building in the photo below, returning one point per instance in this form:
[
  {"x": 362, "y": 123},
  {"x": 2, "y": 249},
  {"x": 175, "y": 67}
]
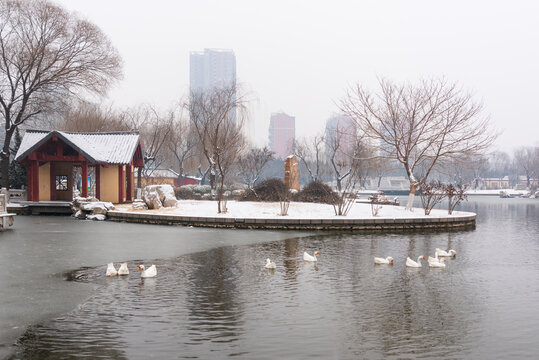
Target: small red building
[{"x": 59, "y": 162}]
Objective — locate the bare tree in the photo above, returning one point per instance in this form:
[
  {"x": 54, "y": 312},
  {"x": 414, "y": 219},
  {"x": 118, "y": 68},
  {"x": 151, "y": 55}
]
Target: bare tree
[
  {"x": 525, "y": 160},
  {"x": 455, "y": 195},
  {"x": 89, "y": 117},
  {"x": 310, "y": 153},
  {"x": 154, "y": 130},
  {"x": 358, "y": 159},
  {"x": 419, "y": 125},
  {"x": 466, "y": 169},
  {"x": 47, "y": 54},
  {"x": 182, "y": 142},
  {"x": 338, "y": 152},
  {"x": 499, "y": 164},
  {"x": 432, "y": 193},
  {"x": 217, "y": 115},
  {"x": 252, "y": 162}
]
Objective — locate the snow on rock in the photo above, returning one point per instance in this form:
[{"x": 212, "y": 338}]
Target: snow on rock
[
  {"x": 168, "y": 198},
  {"x": 139, "y": 205},
  {"x": 99, "y": 217},
  {"x": 157, "y": 196},
  {"x": 84, "y": 208},
  {"x": 100, "y": 207},
  {"x": 151, "y": 197}
]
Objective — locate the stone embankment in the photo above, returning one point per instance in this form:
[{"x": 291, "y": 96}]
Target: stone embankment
[{"x": 381, "y": 224}]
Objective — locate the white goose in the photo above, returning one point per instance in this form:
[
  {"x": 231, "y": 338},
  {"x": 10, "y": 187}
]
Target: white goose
[
  {"x": 123, "y": 270},
  {"x": 435, "y": 263},
  {"x": 450, "y": 253},
  {"x": 387, "y": 260},
  {"x": 307, "y": 257},
  {"x": 435, "y": 258},
  {"x": 412, "y": 263},
  {"x": 147, "y": 273},
  {"x": 111, "y": 270},
  {"x": 270, "y": 264}
]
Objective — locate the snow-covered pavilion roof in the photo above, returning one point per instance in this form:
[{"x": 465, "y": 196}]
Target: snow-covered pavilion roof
[
  {"x": 105, "y": 147},
  {"x": 163, "y": 173}
]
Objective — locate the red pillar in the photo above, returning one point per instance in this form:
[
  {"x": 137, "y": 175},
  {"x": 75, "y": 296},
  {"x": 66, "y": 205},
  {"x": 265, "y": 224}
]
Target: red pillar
[
  {"x": 84, "y": 179},
  {"x": 35, "y": 181},
  {"x": 129, "y": 191},
  {"x": 29, "y": 185},
  {"x": 53, "y": 181},
  {"x": 98, "y": 181}
]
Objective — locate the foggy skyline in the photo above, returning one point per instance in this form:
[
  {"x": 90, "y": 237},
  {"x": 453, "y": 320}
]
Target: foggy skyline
[{"x": 299, "y": 57}]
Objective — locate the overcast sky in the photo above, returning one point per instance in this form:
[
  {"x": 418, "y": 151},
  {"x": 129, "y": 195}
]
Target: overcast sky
[{"x": 300, "y": 56}]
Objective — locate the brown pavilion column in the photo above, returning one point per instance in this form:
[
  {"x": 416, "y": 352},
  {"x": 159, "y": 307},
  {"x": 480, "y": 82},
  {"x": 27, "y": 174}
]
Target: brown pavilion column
[
  {"x": 129, "y": 191},
  {"x": 98, "y": 181},
  {"x": 85, "y": 179},
  {"x": 121, "y": 183}
]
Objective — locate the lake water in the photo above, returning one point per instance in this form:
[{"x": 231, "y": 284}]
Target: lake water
[{"x": 213, "y": 298}]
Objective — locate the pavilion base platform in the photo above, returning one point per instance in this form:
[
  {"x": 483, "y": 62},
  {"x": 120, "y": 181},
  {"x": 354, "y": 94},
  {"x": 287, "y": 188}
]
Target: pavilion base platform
[{"x": 41, "y": 208}]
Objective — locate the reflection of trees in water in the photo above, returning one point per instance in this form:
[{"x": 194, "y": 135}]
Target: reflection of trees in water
[
  {"x": 56, "y": 342},
  {"x": 392, "y": 310},
  {"x": 212, "y": 296},
  {"x": 91, "y": 331}
]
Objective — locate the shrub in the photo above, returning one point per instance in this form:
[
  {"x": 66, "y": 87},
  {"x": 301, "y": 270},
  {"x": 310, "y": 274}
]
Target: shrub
[
  {"x": 198, "y": 189},
  {"x": 317, "y": 192},
  {"x": 267, "y": 190},
  {"x": 184, "y": 193}
]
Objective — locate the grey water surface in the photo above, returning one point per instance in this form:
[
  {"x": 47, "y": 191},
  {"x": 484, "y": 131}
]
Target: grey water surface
[{"x": 212, "y": 297}]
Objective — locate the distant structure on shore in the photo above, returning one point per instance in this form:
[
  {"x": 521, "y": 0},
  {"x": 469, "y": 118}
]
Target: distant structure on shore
[
  {"x": 341, "y": 130},
  {"x": 211, "y": 68},
  {"x": 282, "y": 133}
]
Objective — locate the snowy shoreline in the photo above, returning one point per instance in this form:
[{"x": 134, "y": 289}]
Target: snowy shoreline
[{"x": 302, "y": 216}]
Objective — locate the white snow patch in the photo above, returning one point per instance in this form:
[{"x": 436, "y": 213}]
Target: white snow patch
[
  {"x": 297, "y": 210},
  {"x": 99, "y": 217}
]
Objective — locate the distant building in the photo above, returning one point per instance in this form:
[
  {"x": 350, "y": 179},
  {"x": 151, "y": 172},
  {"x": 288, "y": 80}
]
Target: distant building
[
  {"x": 282, "y": 133},
  {"x": 494, "y": 183},
  {"x": 522, "y": 183},
  {"x": 211, "y": 68},
  {"x": 169, "y": 176},
  {"x": 342, "y": 130}
]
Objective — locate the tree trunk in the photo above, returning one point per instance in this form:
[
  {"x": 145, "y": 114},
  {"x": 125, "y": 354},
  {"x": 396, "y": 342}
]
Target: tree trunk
[
  {"x": 4, "y": 164},
  {"x": 181, "y": 182},
  {"x": 220, "y": 194},
  {"x": 5, "y": 172},
  {"x": 410, "y": 204}
]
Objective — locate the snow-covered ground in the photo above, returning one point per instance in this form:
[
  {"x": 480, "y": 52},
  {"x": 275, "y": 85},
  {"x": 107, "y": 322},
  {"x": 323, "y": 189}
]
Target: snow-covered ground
[{"x": 270, "y": 210}]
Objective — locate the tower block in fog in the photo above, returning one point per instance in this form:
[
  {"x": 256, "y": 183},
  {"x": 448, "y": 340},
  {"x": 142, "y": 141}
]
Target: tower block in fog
[{"x": 291, "y": 172}]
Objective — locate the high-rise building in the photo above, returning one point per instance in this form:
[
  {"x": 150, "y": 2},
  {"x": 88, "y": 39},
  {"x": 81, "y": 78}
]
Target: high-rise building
[
  {"x": 341, "y": 136},
  {"x": 282, "y": 132},
  {"x": 211, "y": 68}
]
